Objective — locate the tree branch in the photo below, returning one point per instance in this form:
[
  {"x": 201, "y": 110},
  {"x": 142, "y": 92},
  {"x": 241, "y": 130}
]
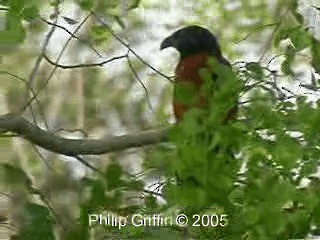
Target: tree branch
[
  {"x": 83, "y": 65},
  {"x": 74, "y": 147}
]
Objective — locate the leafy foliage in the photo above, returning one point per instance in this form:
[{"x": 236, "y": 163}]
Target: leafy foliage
[
  {"x": 267, "y": 197},
  {"x": 247, "y": 178},
  {"x": 14, "y": 33}
]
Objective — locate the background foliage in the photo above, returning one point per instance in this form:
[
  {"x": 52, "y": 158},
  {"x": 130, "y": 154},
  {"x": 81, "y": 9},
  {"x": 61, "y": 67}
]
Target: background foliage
[{"x": 88, "y": 68}]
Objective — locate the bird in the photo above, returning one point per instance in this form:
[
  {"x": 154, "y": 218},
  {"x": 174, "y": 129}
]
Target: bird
[{"x": 195, "y": 45}]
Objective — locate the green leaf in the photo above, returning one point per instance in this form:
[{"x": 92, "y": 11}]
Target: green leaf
[
  {"x": 256, "y": 70},
  {"x": 36, "y": 224},
  {"x": 286, "y": 68},
  {"x": 286, "y": 64},
  {"x": 98, "y": 196},
  {"x": 188, "y": 194},
  {"x": 300, "y": 38},
  {"x": 4, "y": 2},
  {"x": 133, "y": 184},
  {"x": 281, "y": 34},
  {"x": 290, "y": 52},
  {"x": 30, "y": 13},
  {"x": 100, "y": 34},
  {"x": 86, "y": 4},
  {"x": 14, "y": 34},
  {"x": 134, "y": 4},
  {"x": 315, "y": 51},
  {"x": 120, "y": 21},
  {"x": 113, "y": 175},
  {"x": 17, "y": 5},
  {"x": 14, "y": 175},
  {"x": 251, "y": 215},
  {"x": 151, "y": 202},
  {"x": 287, "y": 152}
]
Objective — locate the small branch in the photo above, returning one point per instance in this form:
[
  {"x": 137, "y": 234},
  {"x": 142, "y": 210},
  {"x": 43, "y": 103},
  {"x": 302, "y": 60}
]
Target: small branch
[
  {"x": 136, "y": 75},
  {"x": 56, "y": 62},
  {"x": 84, "y": 162},
  {"x": 257, "y": 29},
  {"x": 75, "y": 147},
  {"x": 72, "y": 35},
  {"x": 29, "y": 88},
  {"x": 36, "y": 67},
  {"x": 269, "y": 39},
  {"x": 22, "y": 80},
  {"x": 129, "y": 48},
  {"x": 44, "y": 47},
  {"x": 4, "y": 8},
  {"x": 83, "y": 65}
]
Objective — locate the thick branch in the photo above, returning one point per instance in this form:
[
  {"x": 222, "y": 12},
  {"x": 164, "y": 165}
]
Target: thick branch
[{"x": 73, "y": 147}]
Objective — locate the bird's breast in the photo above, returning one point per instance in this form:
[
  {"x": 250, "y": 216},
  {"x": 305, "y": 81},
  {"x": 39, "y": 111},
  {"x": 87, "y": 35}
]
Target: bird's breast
[
  {"x": 187, "y": 74},
  {"x": 188, "y": 69}
]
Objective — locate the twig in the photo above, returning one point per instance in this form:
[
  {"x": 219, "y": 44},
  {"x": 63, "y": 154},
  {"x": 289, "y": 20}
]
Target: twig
[
  {"x": 37, "y": 65},
  {"x": 135, "y": 74},
  {"x": 55, "y": 67},
  {"x": 269, "y": 40},
  {"x": 33, "y": 94},
  {"x": 153, "y": 193},
  {"x": 44, "y": 47},
  {"x": 71, "y": 34},
  {"x": 256, "y": 30},
  {"x": 129, "y": 48},
  {"x": 84, "y": 162},
  {"x": 20, "y": 79},
  {"x": 83, "y": 65}
]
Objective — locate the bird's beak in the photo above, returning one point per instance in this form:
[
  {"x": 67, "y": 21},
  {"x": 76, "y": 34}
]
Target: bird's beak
[{"x": 167, "y": 42}]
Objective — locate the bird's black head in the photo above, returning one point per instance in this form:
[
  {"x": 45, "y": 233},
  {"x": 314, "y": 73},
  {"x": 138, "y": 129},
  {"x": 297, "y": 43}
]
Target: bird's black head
[{"x": 192, "y": 40}]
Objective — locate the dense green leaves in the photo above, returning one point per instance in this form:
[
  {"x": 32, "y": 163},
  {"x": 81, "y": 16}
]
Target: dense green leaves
[
  {"x": 267, "y": 195},
  {"x": 256, "y": 170}
]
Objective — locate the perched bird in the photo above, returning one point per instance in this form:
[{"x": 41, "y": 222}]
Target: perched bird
[{"x": 195, "y": 44}]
